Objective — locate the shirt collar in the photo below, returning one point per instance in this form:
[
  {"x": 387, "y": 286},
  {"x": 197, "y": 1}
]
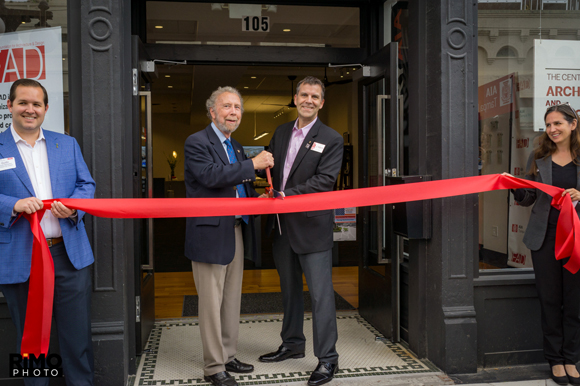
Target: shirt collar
[
  {"x": 306, "y": 128},
  {"x": 18, "y": 138},
  {"x": 220, "y": 135}
]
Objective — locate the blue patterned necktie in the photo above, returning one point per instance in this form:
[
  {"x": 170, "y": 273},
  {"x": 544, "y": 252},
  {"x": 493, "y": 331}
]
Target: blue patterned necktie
[{"x": 240, "y": 187}]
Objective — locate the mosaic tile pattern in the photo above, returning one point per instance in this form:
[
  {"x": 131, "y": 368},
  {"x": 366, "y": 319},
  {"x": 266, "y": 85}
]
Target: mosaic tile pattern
[{"x": 174, "y": 355}]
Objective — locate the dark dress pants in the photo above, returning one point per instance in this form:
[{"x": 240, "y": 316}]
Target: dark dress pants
[
  {"x": 559, "y": 294},
  {"x": 71, "y": 318},
  {"x": 317, "y": 268}
]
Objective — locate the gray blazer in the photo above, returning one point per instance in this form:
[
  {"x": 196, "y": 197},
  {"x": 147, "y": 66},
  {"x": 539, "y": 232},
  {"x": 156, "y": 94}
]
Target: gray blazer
[{"x": 538, "y": 224}]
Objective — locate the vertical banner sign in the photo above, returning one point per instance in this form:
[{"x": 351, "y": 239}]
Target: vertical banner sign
[
  {"x": 556, "y": 76},
  {"x": 37, "y": 55}
]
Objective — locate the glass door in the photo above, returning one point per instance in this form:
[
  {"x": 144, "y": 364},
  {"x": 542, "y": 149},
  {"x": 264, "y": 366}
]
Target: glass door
[{"x": 379, "y": 268}]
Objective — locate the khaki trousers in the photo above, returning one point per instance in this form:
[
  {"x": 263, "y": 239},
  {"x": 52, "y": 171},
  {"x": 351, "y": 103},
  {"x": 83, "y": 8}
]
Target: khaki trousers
[{"x": 219, "y": 289}]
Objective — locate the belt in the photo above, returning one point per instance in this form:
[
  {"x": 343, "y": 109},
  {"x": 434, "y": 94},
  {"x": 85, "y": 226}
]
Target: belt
[{"x": 54, "y": 241}]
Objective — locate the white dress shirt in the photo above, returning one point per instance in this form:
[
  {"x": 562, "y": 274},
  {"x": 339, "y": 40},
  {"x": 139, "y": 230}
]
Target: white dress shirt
[{"x": 36, "y": 162}]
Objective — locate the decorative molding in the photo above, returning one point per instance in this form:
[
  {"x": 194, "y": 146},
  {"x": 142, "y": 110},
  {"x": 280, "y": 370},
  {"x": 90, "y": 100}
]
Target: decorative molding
[
  {"x": 456, "y": 12},
  {"x": 459, "y": 312},
  {"x": 459, "y": 35},
  {"x": 524, "y": 35},
  {"x": 94, "y": 34},
  {"x": 104, "y": 272},
  {"x": 108, "y": 328},
  {"x": 101, "y": 5},
  {"x": 493, "y": 34}
]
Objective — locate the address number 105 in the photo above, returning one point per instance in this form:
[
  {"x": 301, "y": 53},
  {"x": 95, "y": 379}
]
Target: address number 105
[{"x": 256, "y": 23}]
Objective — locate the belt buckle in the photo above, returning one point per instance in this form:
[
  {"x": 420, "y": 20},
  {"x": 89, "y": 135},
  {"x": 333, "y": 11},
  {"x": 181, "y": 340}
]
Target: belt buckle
[{"x": 49, "y": 242}]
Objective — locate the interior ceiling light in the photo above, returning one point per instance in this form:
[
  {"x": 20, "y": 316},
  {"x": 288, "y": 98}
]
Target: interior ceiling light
[
  {"x": 286, "y": 30},
  {"x": 158, "y": 26},
  {"x": 217, "y": 6},
  {"x": 169, "y": 86},
  {"x": 260, "y": 136},
  {"x": 263, "y": 134},
  {"x": 168, "y": 76},
  {"x": 253, "y": 77},
  {"x": 246, "y": 87}
]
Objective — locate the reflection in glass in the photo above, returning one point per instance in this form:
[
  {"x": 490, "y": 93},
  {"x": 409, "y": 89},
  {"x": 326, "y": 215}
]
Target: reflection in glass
[{"x": 507, "y": 32}]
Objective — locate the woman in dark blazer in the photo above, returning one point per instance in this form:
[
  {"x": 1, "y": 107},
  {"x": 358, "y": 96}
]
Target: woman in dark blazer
[{"x": 556, "y": 161}]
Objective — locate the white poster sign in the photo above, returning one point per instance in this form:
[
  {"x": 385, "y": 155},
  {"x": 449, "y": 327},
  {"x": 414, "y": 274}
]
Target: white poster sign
[
  {"x": 556, "y": 76},
  {"x": 36, "y": 55}
]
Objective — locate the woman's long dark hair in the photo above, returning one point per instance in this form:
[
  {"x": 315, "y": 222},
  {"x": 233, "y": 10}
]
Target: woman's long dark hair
[{"x": 546, "y": 147}]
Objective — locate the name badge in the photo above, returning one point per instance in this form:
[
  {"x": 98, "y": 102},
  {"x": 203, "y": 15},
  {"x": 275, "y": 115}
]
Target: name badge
[
  {"x": 318, "y": 147},
  {"x": 7, "y": 163}
]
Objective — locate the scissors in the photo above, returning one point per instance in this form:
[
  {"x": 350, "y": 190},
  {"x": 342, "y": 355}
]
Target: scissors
[{"x": 270, "y": 189}]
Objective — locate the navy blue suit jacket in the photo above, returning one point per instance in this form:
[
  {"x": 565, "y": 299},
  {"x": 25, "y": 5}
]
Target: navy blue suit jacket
[
  {"x": 208, "y": 173},
  {"x": 69, "y": 178}
]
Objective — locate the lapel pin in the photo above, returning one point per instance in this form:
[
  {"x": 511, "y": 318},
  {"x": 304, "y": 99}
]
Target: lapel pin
[
  {"x": 238, "y": 151},
  {"x": 57, "y": 145}
]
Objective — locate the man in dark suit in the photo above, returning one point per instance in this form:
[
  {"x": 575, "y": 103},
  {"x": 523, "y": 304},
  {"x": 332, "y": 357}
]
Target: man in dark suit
[
  {"x": 308, "y": 157},
  {"x": 216, "y": 166},
  {"x": 36, "y": 165}
]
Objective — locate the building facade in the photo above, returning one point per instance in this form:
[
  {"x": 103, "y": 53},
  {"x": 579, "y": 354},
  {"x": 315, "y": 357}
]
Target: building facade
[{"x": 451, "y": 292}]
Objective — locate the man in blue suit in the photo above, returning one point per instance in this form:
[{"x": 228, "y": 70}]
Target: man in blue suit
[
  {"x": 37, "y": 165},
  {"x": 216, "y": 166}
]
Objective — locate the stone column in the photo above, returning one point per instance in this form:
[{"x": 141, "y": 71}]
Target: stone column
[
  {"x": 100, "y": 102},
  {"x": 443, "y": 144}
]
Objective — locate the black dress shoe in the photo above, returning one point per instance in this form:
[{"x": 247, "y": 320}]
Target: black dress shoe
[
  {"x": 563, "y": 380},
  {"x": 573, "y": 380},
  {"x": 323, "y": 373},
  {"x": 282, "y": 354},
  {"x": 221, "y": 379},
  {"x": 235, "y": 366}
]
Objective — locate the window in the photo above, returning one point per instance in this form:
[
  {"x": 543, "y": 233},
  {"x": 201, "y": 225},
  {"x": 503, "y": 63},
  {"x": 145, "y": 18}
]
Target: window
[{"x": 508, "y": 33}]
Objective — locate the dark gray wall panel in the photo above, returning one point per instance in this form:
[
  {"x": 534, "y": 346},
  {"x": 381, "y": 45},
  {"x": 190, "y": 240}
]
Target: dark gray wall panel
[{"x": 509, "y": 324}]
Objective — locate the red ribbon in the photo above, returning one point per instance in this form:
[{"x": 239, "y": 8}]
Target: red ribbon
[{"x": 37, "y": 328}]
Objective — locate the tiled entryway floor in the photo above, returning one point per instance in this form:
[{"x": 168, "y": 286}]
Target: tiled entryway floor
[{"x": 174, "y": 355}]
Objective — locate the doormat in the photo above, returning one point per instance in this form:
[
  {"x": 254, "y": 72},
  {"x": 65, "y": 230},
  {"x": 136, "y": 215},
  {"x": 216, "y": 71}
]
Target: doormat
[
  {"x": 263, "y": 303},
  {"x": 174, "y": 355}
]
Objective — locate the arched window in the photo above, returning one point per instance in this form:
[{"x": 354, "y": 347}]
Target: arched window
[{"x": 507, "y": 52}]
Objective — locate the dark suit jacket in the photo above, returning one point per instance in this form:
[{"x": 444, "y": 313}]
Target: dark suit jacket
[
  {"x": 312, "y": 172},
  {"x": 538, "y": 224},
  {"x": 208, "y": 173}
]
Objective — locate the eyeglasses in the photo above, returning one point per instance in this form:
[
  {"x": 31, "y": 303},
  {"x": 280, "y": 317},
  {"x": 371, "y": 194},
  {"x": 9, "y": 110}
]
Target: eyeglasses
[{"x": 565, "y": 104}]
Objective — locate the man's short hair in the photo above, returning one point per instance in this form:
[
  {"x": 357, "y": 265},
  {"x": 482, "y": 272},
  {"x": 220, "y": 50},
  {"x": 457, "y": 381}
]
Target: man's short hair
[
  {"x": 313, "y": 81},
  {"x": 25, "y": 82},
  {"x": 210, "y": 103}
]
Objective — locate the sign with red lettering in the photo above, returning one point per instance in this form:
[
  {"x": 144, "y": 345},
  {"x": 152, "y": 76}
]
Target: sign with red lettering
[
  {"x": 497, "y": 97},
  {"x": 35, "y": 54},
  {"x": 556, "y": 76}
]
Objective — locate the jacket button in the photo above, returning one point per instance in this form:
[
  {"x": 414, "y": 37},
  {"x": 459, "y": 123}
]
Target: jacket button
[{"x": 1, "y": 224}]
